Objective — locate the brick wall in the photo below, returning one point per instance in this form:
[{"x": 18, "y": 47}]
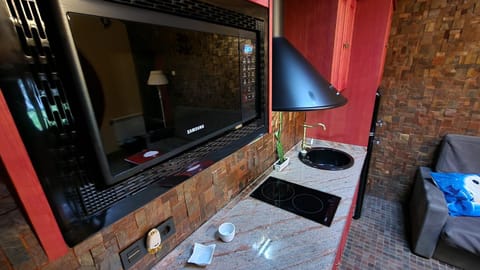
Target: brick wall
[
  {"x": 190, "y": 203},
  {"x": 431, "y": 87}
]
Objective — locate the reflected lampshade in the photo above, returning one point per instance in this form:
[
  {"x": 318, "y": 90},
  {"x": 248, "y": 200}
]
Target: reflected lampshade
[{"x": 157, "y": 78}]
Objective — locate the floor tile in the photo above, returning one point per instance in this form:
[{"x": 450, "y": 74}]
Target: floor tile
[{"x": 377, "y": 240}]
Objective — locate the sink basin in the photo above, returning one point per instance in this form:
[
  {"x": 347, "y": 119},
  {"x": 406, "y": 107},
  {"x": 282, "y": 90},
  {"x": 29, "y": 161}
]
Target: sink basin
[{"x": 326, "y": 159}]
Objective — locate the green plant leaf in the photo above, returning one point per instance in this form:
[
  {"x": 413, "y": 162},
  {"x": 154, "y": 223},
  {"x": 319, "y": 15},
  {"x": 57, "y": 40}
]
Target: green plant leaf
[{"x": 278, "y": 141}]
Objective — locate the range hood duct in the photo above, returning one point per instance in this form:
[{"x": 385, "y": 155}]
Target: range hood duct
[{"x": 297, "y": 86}]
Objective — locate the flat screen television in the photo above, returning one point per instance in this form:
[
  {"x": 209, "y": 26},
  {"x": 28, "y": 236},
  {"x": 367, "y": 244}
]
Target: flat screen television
[
  {"x": 118, "y": 101},
  {"x": 153, "y": 85}
]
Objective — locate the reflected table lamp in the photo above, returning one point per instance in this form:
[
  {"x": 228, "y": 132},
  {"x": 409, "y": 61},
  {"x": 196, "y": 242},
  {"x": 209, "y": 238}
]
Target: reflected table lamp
[{"x": 158, "y": 78}]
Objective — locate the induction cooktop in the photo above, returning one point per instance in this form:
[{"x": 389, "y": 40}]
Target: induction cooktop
[{"x": 309, "y": 203}]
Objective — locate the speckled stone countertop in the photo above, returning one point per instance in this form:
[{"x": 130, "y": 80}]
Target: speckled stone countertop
[{"x": 268, "y": 237}]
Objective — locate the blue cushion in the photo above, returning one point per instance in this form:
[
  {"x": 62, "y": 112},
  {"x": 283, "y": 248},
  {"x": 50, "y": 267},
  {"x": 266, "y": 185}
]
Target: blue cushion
[{"x": 462, "y": 192}]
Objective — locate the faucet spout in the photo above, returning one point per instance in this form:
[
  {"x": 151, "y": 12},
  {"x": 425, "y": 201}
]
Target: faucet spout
[{"x": 305, "y": 126}]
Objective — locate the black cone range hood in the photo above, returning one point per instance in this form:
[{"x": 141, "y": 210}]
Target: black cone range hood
[{"x": 297, "y": 86}]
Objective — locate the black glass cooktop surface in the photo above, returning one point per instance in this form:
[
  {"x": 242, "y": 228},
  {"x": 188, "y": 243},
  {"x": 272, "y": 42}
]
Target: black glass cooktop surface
[{"x": 303, "y": 201}]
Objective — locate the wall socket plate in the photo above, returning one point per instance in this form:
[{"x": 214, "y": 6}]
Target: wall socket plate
[{"x": 138, "y": 249}]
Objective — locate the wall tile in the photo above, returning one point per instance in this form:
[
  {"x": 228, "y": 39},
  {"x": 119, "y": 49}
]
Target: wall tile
[{"x": 430, "y": 88}]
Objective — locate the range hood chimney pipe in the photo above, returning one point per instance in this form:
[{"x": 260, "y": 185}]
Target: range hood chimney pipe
[
  {"x": 278, "y": 18},
  {"x": 297, "y": 86}
]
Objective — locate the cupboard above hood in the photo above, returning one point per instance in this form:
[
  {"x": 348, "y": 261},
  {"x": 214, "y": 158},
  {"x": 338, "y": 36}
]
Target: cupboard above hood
[{"x": 296, "y": 84}]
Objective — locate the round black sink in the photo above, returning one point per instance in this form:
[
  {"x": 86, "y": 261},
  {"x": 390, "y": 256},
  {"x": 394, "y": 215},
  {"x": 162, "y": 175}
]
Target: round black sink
[{"x": 326, "y": 159}]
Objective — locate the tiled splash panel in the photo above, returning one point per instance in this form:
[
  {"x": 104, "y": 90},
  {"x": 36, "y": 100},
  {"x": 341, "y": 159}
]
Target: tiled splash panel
[{"x": 303, "y": 201}]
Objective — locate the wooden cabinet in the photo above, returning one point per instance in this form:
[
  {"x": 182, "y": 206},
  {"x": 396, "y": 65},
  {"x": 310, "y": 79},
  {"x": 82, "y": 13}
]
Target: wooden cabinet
[
  {"x": 322, "y": 31},
  {"x": 345, "y": 41},
  {"x": 310, "y": 26}
]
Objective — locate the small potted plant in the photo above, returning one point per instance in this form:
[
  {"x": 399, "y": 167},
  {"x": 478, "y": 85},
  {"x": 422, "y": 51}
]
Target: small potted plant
[{"x": 282, "y": 161}]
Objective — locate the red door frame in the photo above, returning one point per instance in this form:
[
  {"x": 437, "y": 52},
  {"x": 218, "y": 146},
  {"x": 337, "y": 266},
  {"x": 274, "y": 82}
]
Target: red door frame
[{"x": 17, "y": 163}]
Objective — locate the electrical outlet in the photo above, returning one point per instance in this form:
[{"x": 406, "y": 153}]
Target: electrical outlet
[
  {"x": 167, "y": 228},
  {"x": 133, "y": 253}
]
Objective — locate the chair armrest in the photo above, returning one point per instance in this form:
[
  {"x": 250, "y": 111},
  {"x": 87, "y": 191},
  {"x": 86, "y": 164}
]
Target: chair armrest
[{"x": 428, "y": 214}]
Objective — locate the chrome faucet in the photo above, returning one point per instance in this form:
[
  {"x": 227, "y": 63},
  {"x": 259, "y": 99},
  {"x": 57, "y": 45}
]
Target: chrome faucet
[{"x": 305, "y": 126}]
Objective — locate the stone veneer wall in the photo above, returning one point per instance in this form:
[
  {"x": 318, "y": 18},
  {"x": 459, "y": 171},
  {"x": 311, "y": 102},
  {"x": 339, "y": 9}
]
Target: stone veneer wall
[
  {"x": 190, "y": 203},
  {"x": 431, "y": 87}
]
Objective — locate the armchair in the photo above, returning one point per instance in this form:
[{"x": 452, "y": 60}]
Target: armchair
[{"x": 433, "y": 233}]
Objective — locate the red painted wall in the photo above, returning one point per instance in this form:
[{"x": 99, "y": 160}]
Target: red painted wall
[
  {"x": 350, "y": 123},
  {"x": 260, "y": 2},
  {"x": 310, "y": 26}
]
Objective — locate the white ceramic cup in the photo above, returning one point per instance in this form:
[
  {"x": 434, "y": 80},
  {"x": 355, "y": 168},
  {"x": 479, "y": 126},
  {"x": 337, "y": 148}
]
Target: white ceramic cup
[{"x": 226, "y": 231}]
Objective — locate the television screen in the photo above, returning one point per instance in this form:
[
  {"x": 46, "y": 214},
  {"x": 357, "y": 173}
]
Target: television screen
[{"x": 158, "y": 90}]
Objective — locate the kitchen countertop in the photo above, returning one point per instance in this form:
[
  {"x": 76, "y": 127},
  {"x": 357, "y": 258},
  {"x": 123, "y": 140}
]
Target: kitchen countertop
[{"x": 268, "y": 237}]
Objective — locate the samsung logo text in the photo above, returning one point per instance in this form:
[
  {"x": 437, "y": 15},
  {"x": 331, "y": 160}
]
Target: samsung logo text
[{"x": 195, "y": 129}]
